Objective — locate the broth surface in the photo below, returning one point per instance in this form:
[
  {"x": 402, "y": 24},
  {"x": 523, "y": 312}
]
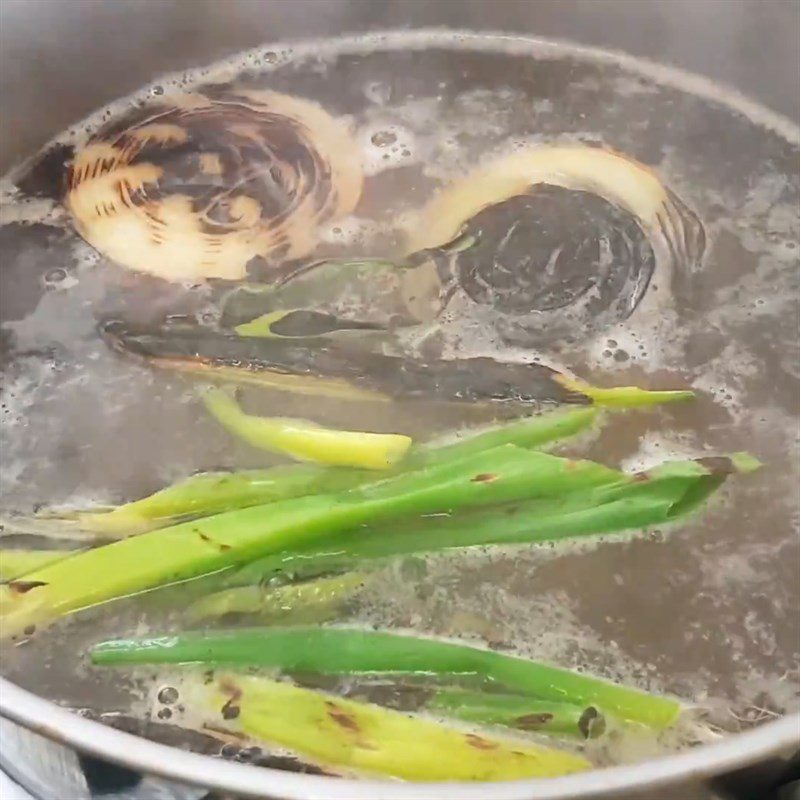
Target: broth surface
[{"x": 707, "y": 611}]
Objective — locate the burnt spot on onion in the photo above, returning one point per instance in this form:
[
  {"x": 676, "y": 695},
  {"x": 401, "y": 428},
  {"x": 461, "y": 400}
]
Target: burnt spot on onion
[
  {"x": 44, "y": 176},
  {"x": 533, "y": 722},
  {"x": 718, "y": 465},
  {"x": 591, "y": 723},
  {"x": 230, "y": 710},
  {"x": 553, "y": 263},
  {"x": 479, "y": 743},
  {"x": 23, "y": 587},
  {"x": 341, "y": 717}
]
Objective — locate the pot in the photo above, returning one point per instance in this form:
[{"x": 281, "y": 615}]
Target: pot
[{"x": 59, "y": 61}]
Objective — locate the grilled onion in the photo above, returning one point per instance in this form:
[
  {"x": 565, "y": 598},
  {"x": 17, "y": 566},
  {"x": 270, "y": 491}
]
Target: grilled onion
[
  {"x": 558, "y": 241},
  {"x": 196, "y": 186}
]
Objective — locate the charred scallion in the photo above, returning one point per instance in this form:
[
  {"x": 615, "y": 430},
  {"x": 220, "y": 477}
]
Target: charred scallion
[
  {"x": 659, "y": 496},
  {"x": 335, "y": 370},
  {"x": 314, "y": 600},
  {"x": 518, "y": 711},
  {"x": 206, "y": 494},
  {"x": 499, "y": 475},
  {"x": 365, "y": 737},
  {"x": 344, "y": 651}
]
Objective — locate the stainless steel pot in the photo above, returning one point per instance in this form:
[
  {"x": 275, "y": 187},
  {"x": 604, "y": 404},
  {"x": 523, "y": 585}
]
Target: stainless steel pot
[{"x": 60, "y": 60}]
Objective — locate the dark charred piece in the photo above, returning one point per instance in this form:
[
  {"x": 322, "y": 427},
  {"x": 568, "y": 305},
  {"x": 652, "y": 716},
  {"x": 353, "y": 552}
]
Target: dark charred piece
[
  {"x": 469, "y": 380},
  {"x": 554, "y": 263}
]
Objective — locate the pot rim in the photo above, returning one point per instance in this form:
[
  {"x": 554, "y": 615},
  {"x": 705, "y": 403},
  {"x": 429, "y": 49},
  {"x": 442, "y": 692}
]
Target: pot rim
[
  {"x": 729, "y": 754},
  {"x": 58, "y": 724}
]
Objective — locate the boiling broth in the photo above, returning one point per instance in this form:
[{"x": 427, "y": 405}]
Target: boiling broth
[{"x": 707, "y": 610}]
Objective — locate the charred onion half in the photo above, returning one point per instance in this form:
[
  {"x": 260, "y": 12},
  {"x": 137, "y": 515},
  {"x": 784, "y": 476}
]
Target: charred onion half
[
  {"x": 197, "y": 185},
  {"x": 558, "y": 241}
]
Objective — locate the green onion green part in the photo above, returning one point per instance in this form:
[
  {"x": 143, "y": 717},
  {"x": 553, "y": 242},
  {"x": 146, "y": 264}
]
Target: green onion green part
[
  {"x": 660, "y": 496},
  {"x": 624, "y": 396},
  {"x": 303, "y": 602},
  {"x": 518, "y": 711},
  {"x": 567, "y": 497},
  {"x": 212, "y": 493},
  {"x": 343, "y": 651},
  {"x": 189, "y": 549}
]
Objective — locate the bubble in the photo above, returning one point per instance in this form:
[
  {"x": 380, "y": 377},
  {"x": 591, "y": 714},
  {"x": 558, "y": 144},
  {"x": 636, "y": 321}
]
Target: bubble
[
  {"x": 251, "y": 753},
  {"x": 168, "y": 695},
  {"x": 385, "y": 145},
  {"x": 229, "y": 750},
  {"x": 351, "y": 231},
  {"x": 383, "y": 138}
]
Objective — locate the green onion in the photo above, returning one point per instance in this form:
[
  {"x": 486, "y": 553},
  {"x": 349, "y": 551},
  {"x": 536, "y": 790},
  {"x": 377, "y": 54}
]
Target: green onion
[
  {"x": 14, "y": 563},
  {"x": 529, "y": 432},
  {"x": 624, "y": 396},
  {"x": 214, "y": 492},
  {"x": 313, "y": 326},
  {"x": 518, "y": 711},
  {"x": 342, "y": 651},
  {"x": 187, "y": 550},
  {"x": 261, "y": 326},
  {"x": 304, "y": 602},
  {"x": 305, "y": 440},
  {"x": 310, "y": 287},
  {"x": 375, "y": 740},
  {"x": 334, "y": 370},
  {"x": 660, "y": 496}
]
